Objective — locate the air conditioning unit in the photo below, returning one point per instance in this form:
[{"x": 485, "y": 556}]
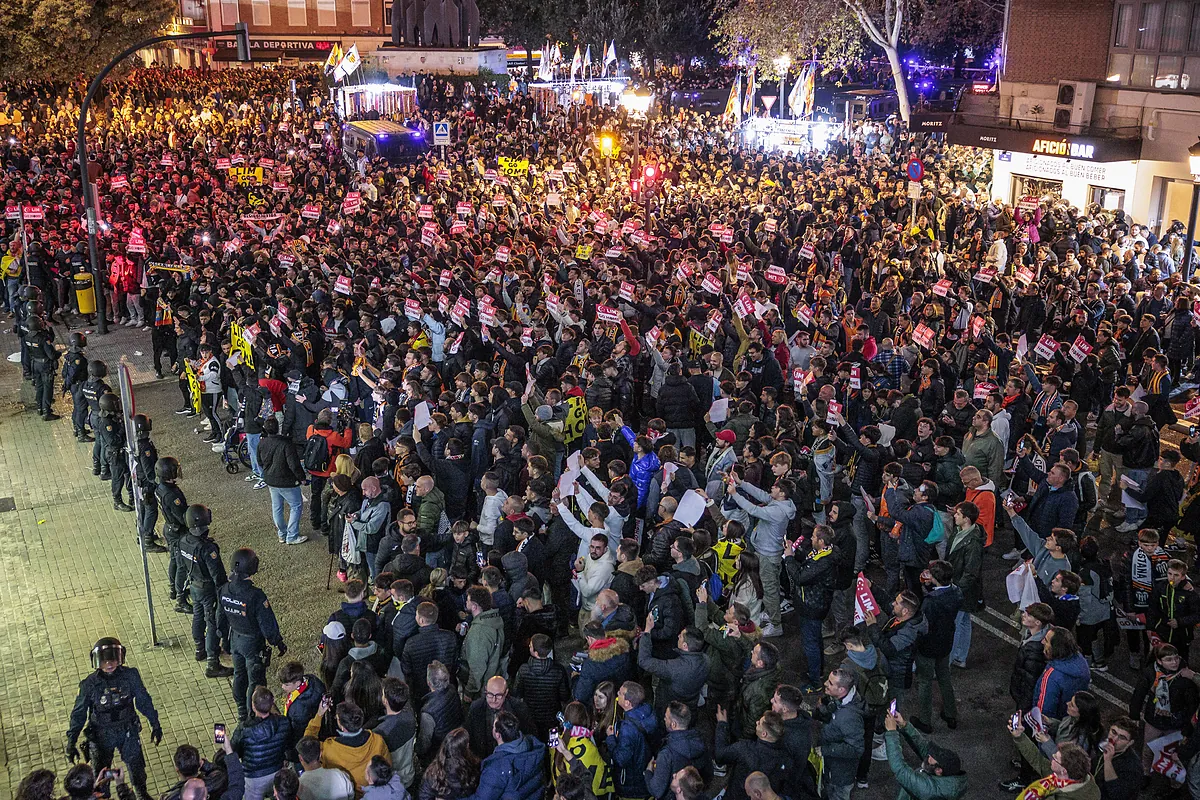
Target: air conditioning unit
[{"x": 1073, "y": 105}]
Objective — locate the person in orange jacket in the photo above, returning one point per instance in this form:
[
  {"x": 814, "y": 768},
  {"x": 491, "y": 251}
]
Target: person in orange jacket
[
  {"x": 983, "y": 495},
  {"x": 337, "y": 441}
]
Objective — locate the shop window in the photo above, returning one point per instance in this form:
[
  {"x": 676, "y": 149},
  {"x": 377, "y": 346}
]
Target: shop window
[
  {"x": 297, "y": 13},
  {"x": 1038, "y": 187},
  {"x": 1190, "y": 77},
  {"x": 1108, "y": 199},
  {"x": 1119, "y": 67}
]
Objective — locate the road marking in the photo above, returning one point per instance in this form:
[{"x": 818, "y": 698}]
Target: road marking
[
  {"x": 1115, "y": 702},
  {"x": 1115, "y": 681}
]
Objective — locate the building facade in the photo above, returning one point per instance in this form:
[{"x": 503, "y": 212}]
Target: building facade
[{"x": 1099, "y": 101}]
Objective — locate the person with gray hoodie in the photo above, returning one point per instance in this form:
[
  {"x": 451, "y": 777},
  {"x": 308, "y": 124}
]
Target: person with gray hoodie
[
  {"x": 772, "y": 513},
  {"x": 382, "y": 782}
]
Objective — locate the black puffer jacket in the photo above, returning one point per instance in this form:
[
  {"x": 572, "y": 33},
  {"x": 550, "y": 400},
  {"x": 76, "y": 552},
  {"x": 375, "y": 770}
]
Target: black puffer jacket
[
  {"x": 667, "y": 609},
  {"x": 845, "y": 546},
  {"x": 430, "y": 643},
  {"x": 812, "y": 583},
  {"x": 545, "y": 687},
  {"x": 1027, "y": 669},
  {"x": 279, "y": 460},
  {"x": 677, "y": 402},
  {"x": 261, "y": 744}
]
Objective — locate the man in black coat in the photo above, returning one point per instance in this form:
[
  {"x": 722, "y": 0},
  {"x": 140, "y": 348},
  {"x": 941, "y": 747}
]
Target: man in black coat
[
  {"x": 765, "y": 754},
  {"x": 404, "y": 621},
  {"x": 483, "y": 711},
  {"x": 280, "y": 469},
  {"x": 542, "y": 683},
  {"x": 430, "y": 643},
  {"x": 941, "y": 605},
  {"x": 665, "y": 606},
  {"x": 1031, "y": 658},
  {"x": 680, "y": 678},
  {"x": 812, "y": 594}
]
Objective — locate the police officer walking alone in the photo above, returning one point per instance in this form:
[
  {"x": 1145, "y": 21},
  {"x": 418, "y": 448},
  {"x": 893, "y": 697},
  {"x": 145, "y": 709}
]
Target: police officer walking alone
[
  {"x": 252, "y": 626},
  {"x": 202, "y": 560},
  {"x": 105, "y": 710}
]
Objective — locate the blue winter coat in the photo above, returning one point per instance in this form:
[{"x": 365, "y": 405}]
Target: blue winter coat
[
  {"x": 641, "y": 468},
  {"x": 680, "y": 749},
  {"x": 261, "y": 744},
  {"x": 513, "y": 771},
  {"x": 629, "y": 750},
  {"x": 1060, "y": 680}
]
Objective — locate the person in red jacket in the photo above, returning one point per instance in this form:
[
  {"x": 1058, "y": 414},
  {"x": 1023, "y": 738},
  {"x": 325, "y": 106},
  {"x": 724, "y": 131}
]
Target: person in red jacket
[{"x": 338, "y": 441}]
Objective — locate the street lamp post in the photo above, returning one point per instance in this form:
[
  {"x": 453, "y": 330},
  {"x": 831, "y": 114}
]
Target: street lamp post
[
  {"x": 240, "y": 30},
  {"x": 1194, "y": 168},
  {"x": 782, "y": 63},
  {"x": 606, "y": 150}
]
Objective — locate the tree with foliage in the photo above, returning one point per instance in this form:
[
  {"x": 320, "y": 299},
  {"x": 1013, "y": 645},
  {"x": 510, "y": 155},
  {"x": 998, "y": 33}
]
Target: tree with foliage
[
  {"x": 605, "y": 21},
  {"x": 945, "y": 30},
  {"x": 527, "y": 23},
  {"x": 801, "y": 29},
  {"x": 60, "y": 39},
  {"x": 671, "y": 30}
]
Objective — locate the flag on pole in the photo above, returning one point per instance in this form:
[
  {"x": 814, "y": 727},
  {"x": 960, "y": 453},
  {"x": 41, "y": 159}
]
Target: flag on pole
[
  {"x": 335, "y": 57},
  {"x": 587, "y": 60},
  {"x": 349, "y": 63},
  {"x": 751, "y": 87},
  {"x": 731, "y": 103},
  {"x": 808, "y": 101},
  {"x": 611, "y": 56},
  {"x": 576, "y": 62},
  {"x": 794, "y": 97},
  {"x": 545, "y": 64}
]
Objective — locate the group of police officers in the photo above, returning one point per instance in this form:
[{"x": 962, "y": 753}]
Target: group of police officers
[{"x": 229, "y": 613}]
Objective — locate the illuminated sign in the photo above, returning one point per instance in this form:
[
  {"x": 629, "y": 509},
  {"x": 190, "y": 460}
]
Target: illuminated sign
[{"x": 1062, "y": 147}]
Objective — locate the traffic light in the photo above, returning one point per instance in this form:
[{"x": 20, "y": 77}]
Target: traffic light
[
  {"x": 635, "y": 188},
  {"x": 650, "y": 173},
  {"x": 243, "y": 41}
]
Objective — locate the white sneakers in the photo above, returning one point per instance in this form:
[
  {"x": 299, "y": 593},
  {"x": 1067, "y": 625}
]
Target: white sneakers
[
  {"x": 1012, "y": 555},
  {"x": 770, "y": 631}
]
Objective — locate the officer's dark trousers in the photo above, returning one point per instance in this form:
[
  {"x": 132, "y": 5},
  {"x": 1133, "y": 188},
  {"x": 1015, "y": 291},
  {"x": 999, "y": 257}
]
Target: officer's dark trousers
[
  {"x": 98, "y": 460},
  {"x": 118, "y": 467},
  {"x": 79, "y": 410},
  {"x": 204, "y": 619},
  {"x": 123, "y": 738},
  {"x": 177, "y": 573},
  {"x": 43, "y": 389},
  {"x": 249, "y": 670},
  {"x": 147, "y": 519}
]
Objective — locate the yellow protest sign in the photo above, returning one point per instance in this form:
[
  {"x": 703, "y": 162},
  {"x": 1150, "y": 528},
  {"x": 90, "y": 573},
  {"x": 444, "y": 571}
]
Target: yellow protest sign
[
  {"x": 246, "y": 176},
  {"x": 193, "y": 385},
  {"x": 514, "y": 167},
  {"x": 583, "y": 252},
  {"x": 576, "y": 420},
  {"x": 238, "y": 343}
]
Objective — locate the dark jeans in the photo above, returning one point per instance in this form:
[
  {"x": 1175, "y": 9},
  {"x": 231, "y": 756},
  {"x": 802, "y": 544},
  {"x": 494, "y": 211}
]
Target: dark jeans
[
  {"x": 810, "y": 637},
  {"x": 79, "y": 413},
  {"x": 249, "y": 671},
  {"x": 43, "y": 388},
  {"x": 317, "y": 510}
]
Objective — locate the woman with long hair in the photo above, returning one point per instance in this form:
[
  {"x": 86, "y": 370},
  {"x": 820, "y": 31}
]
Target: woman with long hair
[
  {"x": 604, "y": 705},
  {"x": 37, "y": 785},
  {"x": 1081, "y": 726},
  {"x": 331, "y": 656},
  {"x": 365, "y": 690},
  {"x": 747, "y": 587},
  {"x": 578, "y": 743},
  {"x": 454, "y": 772}
]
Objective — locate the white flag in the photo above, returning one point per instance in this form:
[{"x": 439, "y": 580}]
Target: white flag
[
  {"x": 545, "y": 68},
  {"x": 797, "y": 93},
  {"x": 576, "y": 63},
  {"x": 349, "y": 63},
  {"x": 611, "y": 56},
  {"x": 587, "y": 59}
]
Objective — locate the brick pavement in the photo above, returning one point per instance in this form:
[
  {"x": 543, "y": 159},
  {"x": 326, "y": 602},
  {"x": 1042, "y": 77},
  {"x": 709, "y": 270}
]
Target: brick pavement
[{"x": 73, "y": 573}]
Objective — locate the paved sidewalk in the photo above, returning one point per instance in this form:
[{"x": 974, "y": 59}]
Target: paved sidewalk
[{"x": 73, "y": 573}]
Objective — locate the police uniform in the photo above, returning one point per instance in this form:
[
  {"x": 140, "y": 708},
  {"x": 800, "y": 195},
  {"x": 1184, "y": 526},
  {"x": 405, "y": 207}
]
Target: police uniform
[
  {"x": 252, "y": 626},
  {"x": 93, "y": 389},
  {"x": 174, "y": 506},
  {"x": 146, "y": 488},
  {"x": 201, "y": 559},
  {"x": 74, "y": 375},
  {"x": 43, "y": 363},
  {"x": 111, "y": 436},
  {"x": 106, "y": 709}
]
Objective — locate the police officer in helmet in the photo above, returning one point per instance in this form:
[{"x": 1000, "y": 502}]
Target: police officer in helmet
[
  {"x": 43, "y": 363},
  {"x": 252, "y": 626},
  {"x": 93, "y": 389},
  {"x": 74, "y": 374},
  {"x": 173, "y": 506},
  {"x": 106, "y": 709},
  {"x": 110, "y": 435},
  {"x": 202, "y": 559},
  {"x": 144, "y": 484}
]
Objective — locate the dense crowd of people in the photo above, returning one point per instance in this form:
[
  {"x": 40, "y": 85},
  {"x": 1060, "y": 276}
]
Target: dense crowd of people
[{"x": 583, "y": 451}]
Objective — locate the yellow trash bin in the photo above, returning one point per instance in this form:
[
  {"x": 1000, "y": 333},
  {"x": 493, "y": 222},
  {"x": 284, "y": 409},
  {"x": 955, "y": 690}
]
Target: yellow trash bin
[{"x": 85, "y": 293}]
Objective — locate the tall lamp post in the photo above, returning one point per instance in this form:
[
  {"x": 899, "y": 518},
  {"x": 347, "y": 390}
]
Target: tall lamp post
[
  {"x": 606, "y": 150},
  {"x": 241, "y": 31},
  {"x": 782, "y": 63},
  {"x": 1194, "y": 168}
]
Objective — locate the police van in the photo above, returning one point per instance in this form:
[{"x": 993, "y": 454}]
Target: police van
[{"x": 382, "y": 138}]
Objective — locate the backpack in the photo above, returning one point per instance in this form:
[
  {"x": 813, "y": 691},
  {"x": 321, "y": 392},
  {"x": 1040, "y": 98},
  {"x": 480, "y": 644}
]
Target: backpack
[
  {"x": 938, "y": 532},
  {"x": 714, "y": 585},
  {"x": 316, "y": 454}
]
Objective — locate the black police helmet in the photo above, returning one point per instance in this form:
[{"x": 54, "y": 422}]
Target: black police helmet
[
  {"x": 198, "y": 516},
  {"x": 109, "y": 403},
  {"x": 108, "y": 649},
  {"x": 36, "y": 325},
  {"x": 97, "y": 369},
  {"x": 245, "y": 562},
  {"x": 142, "y": 424},
  {"x": 29, "y": 292},
  {"x": 78, "y": 340},
  {"x": 167, "y": 469}
]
